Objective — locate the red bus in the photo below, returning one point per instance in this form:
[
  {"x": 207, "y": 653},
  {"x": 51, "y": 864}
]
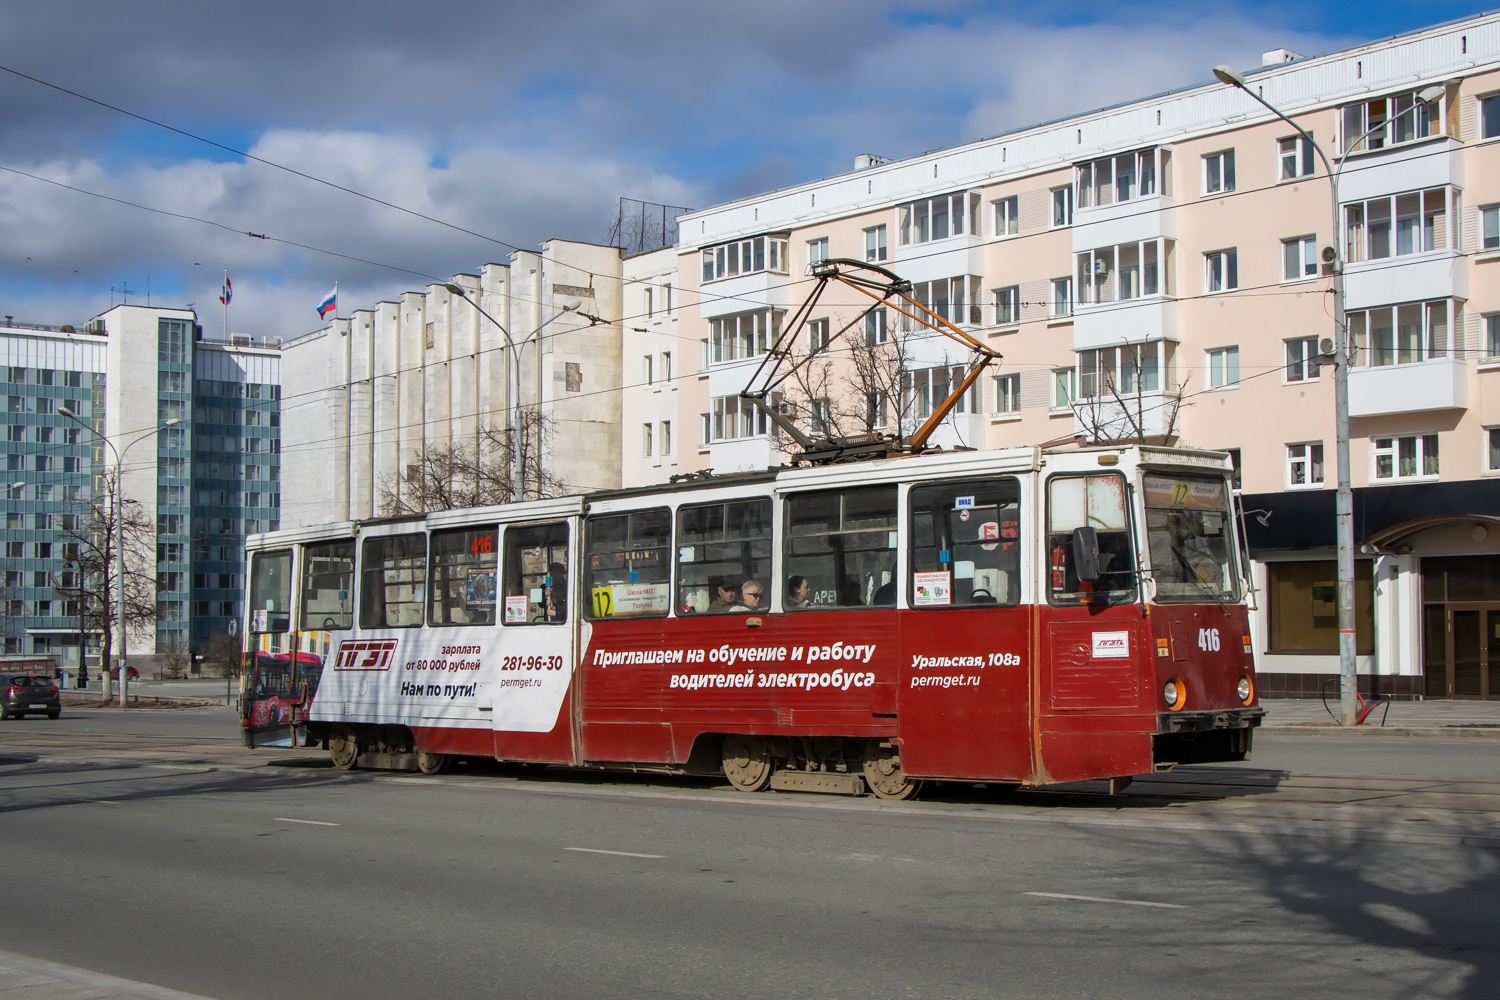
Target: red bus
[{"x": 1017, "y": 616}]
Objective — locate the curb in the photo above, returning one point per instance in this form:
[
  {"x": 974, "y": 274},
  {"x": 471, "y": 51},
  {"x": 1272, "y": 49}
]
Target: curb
[
  {"x": 91, "y": 980},
  {"x": 1481, "y": 732}
]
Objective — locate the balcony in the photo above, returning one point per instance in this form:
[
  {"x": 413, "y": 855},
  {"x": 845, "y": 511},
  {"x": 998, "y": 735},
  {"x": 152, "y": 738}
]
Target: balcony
[
  {"x": 1435, "y": 384},
  {"x": 1151, "y": 415},
  {"x": 756, "y": 290},
  {"x": 1438, "y": 274}
]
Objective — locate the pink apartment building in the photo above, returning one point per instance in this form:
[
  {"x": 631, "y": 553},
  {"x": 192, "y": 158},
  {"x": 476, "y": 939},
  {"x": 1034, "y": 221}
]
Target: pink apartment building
[{"x": 1153, "y": 270}]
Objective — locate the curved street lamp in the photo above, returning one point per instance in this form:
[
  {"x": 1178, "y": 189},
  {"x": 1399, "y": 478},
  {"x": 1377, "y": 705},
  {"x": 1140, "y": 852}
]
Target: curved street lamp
[
  {"x": 1344, "y": 499},
  {"x": 119, "y": 515}
]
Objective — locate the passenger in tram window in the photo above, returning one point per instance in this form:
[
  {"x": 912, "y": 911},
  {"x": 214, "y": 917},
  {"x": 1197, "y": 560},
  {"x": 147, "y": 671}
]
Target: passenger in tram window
[
  {"x": 555, "y": 593},
  {"x": 798, "y": 592},
  {"x": 885, "y": 597},
  {"x": 750, "y": 594},
  {"x": 851, "y": 594},
  {"x": 728, "y": 597}
]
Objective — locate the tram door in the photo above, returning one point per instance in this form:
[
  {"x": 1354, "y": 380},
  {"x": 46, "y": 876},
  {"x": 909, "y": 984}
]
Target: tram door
[{"x": 538, "y": 654}]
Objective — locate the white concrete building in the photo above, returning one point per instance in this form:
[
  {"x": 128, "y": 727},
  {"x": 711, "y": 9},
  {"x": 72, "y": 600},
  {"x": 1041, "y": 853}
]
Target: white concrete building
[{"x": 653, "y": 431}]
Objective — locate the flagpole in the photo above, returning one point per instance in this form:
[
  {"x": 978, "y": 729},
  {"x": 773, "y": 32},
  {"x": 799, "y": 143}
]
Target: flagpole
[
  {"x": 225, "y": 299},
  {"x": 335, "y": 301}
]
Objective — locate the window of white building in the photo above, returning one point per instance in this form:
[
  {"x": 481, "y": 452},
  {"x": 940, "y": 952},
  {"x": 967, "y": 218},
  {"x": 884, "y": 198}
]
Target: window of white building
[
  {"x": 1397, "y": 226},
  {"x": 1008, "y": 305},
  {"x": 1400, "y": 335},
  {"x": 1221, "y": 271},
  {"x": 1121, "y": 178},
  {"x": 956, "y": 300},
  {"x": 734, "y": 418},
  {"x": 1008, "y": 393},
  {"x": 1125, "y": 370},
  {"x": 925, "y": 390},
  {"x": 666, "y": 437},
  {"x": 646, "y": 440},
  {"x": 1125, "y": 271},
  {"x": 1304, "y": 465},
  {"x": 939, "y": 218},
  {"x": 760, "y": 253},
  {"x": 1302, "y": 359},
  {"x": 1223, "y": 367},
  {"x": 1389, "y": 121},
  {"x": 1411, "y": 457},
  {"x": 875, "y": 250},
  {"x": 1007, "y": 216},
  {"x": 1218, "y": 172},
  {"x": 743, "y": 335},
  {"x": 1295, "y": 158},
  {"x": 1299, "y": 258},
  {"x": 666, "y": 366}
]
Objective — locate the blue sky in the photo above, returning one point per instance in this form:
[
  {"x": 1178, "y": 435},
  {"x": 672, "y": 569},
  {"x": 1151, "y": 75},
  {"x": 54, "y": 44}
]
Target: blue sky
[{"x": 524, "y": 121}]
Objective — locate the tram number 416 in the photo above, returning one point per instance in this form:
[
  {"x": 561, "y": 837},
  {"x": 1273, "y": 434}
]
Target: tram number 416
[{"x": 1208, "y": 639}]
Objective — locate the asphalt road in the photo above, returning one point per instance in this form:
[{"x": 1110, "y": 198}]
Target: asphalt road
[{"x": 235, "y": 881}]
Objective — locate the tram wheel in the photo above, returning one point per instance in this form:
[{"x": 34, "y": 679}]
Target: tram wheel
[
  {"x": 433, "y": 763},
  {"x": 883, "y": 772},
  {"x": 343, "y": 750},
  {"x": 747, "y": 762}
]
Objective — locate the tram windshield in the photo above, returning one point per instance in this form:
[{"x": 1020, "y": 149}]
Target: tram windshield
[
  {"x": 1094, "y": 502},
  {"x": 1190, "y": 533}
]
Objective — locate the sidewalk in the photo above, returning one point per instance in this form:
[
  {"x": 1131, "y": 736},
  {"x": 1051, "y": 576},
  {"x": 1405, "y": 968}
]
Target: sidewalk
[
  {"x": 1405, "y": 718},
  {"x": 23, "y": 978}
]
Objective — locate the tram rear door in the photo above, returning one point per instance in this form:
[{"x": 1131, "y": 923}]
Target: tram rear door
[{"x": 533, "y": 720}]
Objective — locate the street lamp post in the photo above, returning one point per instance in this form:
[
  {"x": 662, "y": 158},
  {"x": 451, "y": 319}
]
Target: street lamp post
[
  {"x": 1344, "y": 500},
  {"x": 119, "y": 514},
  {"x": 518, "y": 484}
]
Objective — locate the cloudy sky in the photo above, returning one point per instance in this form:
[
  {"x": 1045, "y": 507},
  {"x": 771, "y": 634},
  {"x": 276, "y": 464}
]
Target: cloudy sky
[{"x": 519, "y": 121}]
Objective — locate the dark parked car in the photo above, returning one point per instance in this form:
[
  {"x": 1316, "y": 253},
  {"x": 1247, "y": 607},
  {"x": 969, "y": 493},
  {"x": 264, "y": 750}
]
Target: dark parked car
[{"x": 29, "y": 694}]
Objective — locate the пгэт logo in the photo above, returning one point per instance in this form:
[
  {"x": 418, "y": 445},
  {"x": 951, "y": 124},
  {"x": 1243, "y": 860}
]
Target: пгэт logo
[{"x": 365, "y": 654}]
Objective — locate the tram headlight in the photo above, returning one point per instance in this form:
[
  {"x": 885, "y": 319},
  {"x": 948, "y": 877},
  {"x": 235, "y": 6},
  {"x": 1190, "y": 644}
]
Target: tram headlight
[
  {"x": 1245, "y": 689},
  {"x": 1174, "y": 693}
]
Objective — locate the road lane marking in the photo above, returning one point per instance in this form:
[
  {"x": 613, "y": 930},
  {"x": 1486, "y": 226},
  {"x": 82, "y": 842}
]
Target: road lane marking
[
  {"x": 622, "y": 854},
  {"x": 309, "y": 822},
  {"x": 1106, "y": 899}
]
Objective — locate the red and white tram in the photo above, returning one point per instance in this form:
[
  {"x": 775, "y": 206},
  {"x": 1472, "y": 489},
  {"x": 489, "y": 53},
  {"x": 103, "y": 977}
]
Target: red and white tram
[{"x": 1021, "y": 616}]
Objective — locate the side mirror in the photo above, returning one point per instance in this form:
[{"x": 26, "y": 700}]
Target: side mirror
[{"x": 1086, "y": 553}]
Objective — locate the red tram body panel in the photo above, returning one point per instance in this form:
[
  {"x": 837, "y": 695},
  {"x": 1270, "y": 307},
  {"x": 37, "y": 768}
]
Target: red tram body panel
[{"x": 1023, "y": 617}]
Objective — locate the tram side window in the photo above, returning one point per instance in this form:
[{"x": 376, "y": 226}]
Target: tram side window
[
  {"x": 536, "y": 574},
  {"x": 1096, "y": 502},
  {"x": 843, "y": 544},
  {"x": 629, "y": 573},
  {"x": 271, "y": 591},
  {"x": 328, "y": 586},
  {"x": 965, "y": 543},
  {"x": 724, "y": 557},
  {"x": 391, "y": 572},
  {"x": 461, "y": 577}
]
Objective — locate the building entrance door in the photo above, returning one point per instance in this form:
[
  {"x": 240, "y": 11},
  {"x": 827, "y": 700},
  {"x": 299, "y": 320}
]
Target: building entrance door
[{"x": 1461, "y": 627}]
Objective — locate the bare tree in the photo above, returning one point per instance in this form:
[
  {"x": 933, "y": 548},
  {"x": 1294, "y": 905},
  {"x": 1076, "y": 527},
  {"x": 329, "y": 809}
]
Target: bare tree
[
  {"x": 452, "y": 476},
  {"x": 1110, "y": 416},
  {"x": 174, "y": 660},
  {"x": 90, "y": 537},
  {"x": 880, "y": 372},
  {"x": 222, "y": 653}
]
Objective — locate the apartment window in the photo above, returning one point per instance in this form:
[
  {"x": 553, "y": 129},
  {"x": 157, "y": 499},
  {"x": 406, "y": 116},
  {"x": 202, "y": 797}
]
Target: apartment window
[
  {"x": 1007, "y": 216},
  {"x": 1223, "y": 367},
  {"x": 1489, "y": 117},
  {"x": 875, "y": 251},
  {"x": 820, "y": 416},
  {"x": 45, "y": 404},
  {"x": 1389, "y": 121},
  {"x": 1126, "y": 370},
  {"x": 1489, "y": 227},
  {"x": 43, "y": 550},
  {"x": 957, "y": 300},
  {"x": 666, "y": 299},
  {"x": 647, "y": 369},
  {"x": 875, "y": 327},
  {"x": 1218, "y": 172},
  {"x": 1064, "y": 388},
  {"x": 876, "y": 415},
  {"x": 1007, "y": 305},
  {"x": 1119, "y": 178},
  {"x": 817, "y": 250},
  {"x": 1492, "y": 336},
  {"x": 1400, "y": 335},
  {"x": 937, "y": 218},
  {"x": 16, "y": 404},
  {"x": 666, "y": 437},
  {"x": 44, "y": 435},
  {"x": 173, "y": 337},
  {"x": 1295, "y": 156},
  {"x": 1302, "y": 359},
  {"x": 666, "y": 366},
  {"x": 44, "y": 463},
  {"x": 734, "y": 418},
  {"x": 1008, "y": 393},
  {"x": 15, "y": 550},
  {"x": 1403, "y": 224},
  {"x": 1492, "y": 442},
  {"x": 925, "y": 390},
  {"x": 744, "y": 335},
  {"x": 1221, "y": 271},
  {"x": 44, "y": 376},
  {"x": 761, "y": 253},
  {"x": 15, "y": 432},
  {"x": 1410, "y": 457},
  {"x": 650, "y": 304},
  {"x": 18, "y": 375},
  {"x": 1125, "y": 271},
  {"x": 646, "y": 437},
  {"x": 817, "y": 335},
  {"x": 1299, "y": 258},
  {"x": 1062, "y": 206},
  {"x": 1304, "y": 464}
]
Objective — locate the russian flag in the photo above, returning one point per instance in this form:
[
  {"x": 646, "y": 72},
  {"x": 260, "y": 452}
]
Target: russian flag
[
  {"x": 228, "y": 291},
  {"x": 329, "y": 304}
]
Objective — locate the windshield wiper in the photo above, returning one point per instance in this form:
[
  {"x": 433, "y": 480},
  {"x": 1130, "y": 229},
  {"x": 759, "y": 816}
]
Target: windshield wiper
[{"x": 1192, "y": 577}]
